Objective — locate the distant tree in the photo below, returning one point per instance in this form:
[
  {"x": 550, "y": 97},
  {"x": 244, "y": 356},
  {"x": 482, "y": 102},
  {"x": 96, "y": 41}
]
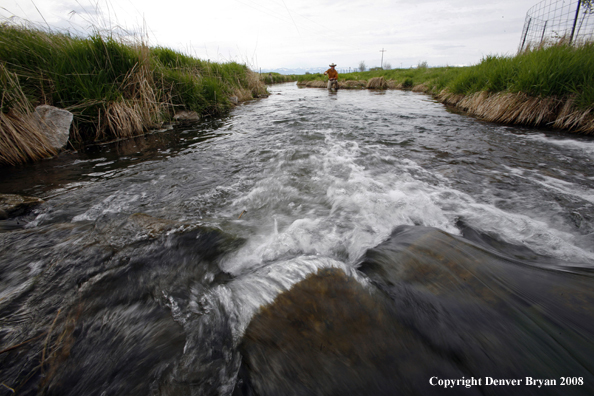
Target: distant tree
[
  {"x": 422, "y": 65},
  {"x": 362, "y": 66},
  {"x": 387, "y": 66}
]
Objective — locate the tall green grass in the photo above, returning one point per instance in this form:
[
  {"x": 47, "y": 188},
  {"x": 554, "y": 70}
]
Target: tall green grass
[
  {"x": 277, "y": 78},
  {"x": 117, "y": 89},
  {"x": 559, "y": 71}
]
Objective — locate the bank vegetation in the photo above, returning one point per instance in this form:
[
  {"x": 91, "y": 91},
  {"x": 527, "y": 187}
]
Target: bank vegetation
[
  {"x": 548, "y": 86},
  {"x": 277, "y": 78},
  {"x": 115, "y": 89}
]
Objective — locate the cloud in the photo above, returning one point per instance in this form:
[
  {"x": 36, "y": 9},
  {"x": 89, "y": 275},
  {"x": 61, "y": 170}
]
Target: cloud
[{"x": 273, "y": 34}]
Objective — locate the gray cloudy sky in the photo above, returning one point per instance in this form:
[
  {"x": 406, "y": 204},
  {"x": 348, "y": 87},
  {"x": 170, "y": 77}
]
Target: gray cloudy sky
[{"x": 309, "y": 33}]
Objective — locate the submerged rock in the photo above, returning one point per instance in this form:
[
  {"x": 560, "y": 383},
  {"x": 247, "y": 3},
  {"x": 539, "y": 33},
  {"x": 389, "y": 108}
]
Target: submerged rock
[
  {"x": 329, "y": 335},
  {"x": 439, "y": 307},
  {"x": 136, "y": 318},
  {"x": 12, "y": 205},
  {"x": 55, "y": 124},
  {"x": 494, "y": 315}
]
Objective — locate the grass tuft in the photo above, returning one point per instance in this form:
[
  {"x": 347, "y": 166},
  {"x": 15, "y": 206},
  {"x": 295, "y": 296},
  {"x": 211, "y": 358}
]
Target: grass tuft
[{"x": 377, "y": 83}]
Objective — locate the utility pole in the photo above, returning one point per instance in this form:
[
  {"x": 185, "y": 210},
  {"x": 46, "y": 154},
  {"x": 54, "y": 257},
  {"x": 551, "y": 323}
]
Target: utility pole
[{"x": 382, "y": 62}]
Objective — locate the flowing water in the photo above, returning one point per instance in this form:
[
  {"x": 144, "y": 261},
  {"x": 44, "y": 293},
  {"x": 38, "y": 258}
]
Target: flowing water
[{"x": 356, "y": 242}]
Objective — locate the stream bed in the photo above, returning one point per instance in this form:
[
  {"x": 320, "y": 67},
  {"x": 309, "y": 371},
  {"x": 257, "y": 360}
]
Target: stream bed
[{"x": 310, "y": 243}]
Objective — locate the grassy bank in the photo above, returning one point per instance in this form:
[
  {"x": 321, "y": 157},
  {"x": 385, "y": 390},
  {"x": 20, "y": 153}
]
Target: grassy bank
[
  {"x": 549, "y": 86},
  {"x": 114, "y": 89},
  {"x": 277, "y": 78}
]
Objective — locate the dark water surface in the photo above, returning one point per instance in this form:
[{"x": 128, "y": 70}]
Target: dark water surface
[{"x": 309, "y": 244}]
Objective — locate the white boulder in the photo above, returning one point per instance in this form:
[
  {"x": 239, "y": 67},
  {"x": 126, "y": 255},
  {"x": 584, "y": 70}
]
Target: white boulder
[{"x": 55, "y": 124}]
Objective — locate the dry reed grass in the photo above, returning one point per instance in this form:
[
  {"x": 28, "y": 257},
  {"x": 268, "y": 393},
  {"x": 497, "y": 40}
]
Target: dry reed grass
[
  {"x": 519, "y": 108},
  {"x": 421, "y": 88},
  {"x": 377, "y": 83},
  {"x": 255, "y": 85},
  {"x": 352, "y": 84},
  {"x": 140, "y": 109},
  {"x": 122, "y": 119},
  {"x": 316, "y": 84},
  {"x": 393, "y": 84},
  {"x": 20, "y": 137},
  {"x": 57, "y": 347},
  {"x": 243, "y": 94},
  {"x": 571, "y": 118}
]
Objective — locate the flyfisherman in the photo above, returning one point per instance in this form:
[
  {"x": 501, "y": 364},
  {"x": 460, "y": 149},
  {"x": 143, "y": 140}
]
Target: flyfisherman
[{"x": 332, "y": 77}]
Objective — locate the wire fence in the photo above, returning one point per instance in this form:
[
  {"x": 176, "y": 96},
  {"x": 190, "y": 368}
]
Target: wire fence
[{"x": 553, "y": 21}]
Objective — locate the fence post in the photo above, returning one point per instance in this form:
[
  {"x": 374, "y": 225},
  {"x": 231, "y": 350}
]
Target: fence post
[
  {"x": 543, "y": 32},
  {"x": 525, "y": 34},
  {"x": 577, "y": 13}
]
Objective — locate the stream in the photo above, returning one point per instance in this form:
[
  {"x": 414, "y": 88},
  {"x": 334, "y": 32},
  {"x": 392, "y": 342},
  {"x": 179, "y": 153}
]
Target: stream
[{"x": 310, "y": 243}]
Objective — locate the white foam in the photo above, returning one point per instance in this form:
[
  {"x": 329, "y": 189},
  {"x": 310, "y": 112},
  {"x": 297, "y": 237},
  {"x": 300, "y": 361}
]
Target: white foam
[
  {"x": 79, "y": 161},
  {"x": 564, "y": 187},
  {"x": 515, "y": 228},
  {"x": 346, "y": 209},
  {"x": 580, "y": 145},
  {"x": 104, "y": 164},
  {"x": 116, "y": 203}
]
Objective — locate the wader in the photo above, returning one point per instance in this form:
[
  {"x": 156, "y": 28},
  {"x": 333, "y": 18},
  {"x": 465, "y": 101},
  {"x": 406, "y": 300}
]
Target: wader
[{"x": 333, "y": 83}]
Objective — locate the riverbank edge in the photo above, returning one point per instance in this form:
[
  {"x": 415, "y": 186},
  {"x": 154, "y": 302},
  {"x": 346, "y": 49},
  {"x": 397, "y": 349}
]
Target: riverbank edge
[
  {"x": 501, "y": 107},
  {"x": 272, "y": 78}
]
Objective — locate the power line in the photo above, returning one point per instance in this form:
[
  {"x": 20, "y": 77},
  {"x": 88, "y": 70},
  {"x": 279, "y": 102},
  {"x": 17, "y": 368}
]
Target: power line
[
  {"x": 281, "y": 16},
  {"x": 263, "y": 11},
  {"x": 311, "y": 20},
  {"x": 291, "y": 17}
]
